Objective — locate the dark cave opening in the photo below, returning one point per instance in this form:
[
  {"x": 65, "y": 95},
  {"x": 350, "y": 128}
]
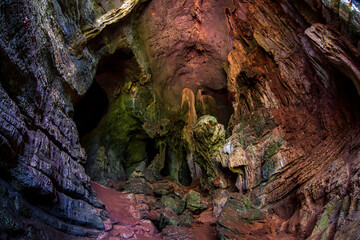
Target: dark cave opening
[
  {"x": 249, "y": 82},
  {"x": 114, "y": 70},
  {"x": 347, "y": 98},
  {"x": 174, "y": 161},
  {"x": 176, "y": 152},
  {"x": 90, "y": 109},
  {"x": 215, "y": 102},
  {"x": 139, "y": 148},
  {"x": 151, "y": 149}
]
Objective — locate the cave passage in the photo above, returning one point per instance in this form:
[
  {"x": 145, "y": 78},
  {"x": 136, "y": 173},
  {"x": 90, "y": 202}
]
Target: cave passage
[
  {"x": 90, "y": 109},
  {"x": 222, "y": 109},
  {"x": 94, "y": 105},
  {"x": 346, "y": 93}
]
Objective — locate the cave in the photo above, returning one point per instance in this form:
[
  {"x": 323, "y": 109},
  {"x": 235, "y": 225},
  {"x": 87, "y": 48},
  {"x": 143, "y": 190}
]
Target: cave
[
  {"x": 346, "y": 97},
  {"x": 222, "y": 109},
  {"x": 192, "y": 119},
  {"x": 90, "y": 109}
]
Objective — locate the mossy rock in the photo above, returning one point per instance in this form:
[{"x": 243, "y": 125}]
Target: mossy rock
[
  {"x": 139, "y": 185},
  {"x": 207, "y": 137},
  {"x": 251, "y": 128},
  {"x": 161, "y": 190},
  {"x": 169, "y": 218},
  {"x": 268, "y": 168},
  {"x": 324, "y": 221},
  {"x": 135, "y": 154},
  {"x": 174, "y": 204},
  {"x": 270, "y": 164},
  {"x": 194, "y": 202},
  {"x": 272, "y": 149},
  {"x": 186, "y": 219}
]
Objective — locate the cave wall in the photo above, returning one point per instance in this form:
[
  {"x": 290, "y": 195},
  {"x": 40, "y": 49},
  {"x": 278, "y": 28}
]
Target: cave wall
[
  {"x": 296, "y": 111},
  {"x": 287, "y": 72},
  {"x": 42, "y": 180}
]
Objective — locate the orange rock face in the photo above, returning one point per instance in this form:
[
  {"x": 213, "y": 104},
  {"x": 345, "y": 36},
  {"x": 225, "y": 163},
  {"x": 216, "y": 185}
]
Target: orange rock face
[
  {"x": 185, "y": 44},
  {"x": 303, "y": 78}
]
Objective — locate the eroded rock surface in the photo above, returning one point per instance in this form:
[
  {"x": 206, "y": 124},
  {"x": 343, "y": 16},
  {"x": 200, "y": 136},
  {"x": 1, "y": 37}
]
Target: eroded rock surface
[
  {"x": 207, "y": 137},
  {"x": 136, "y": 83},
  {"x": 42, "y": 178},
  {"x": 301, "y": 91}
]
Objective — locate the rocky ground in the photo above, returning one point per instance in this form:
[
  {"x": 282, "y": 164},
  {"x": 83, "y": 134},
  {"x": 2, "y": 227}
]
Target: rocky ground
[
  {"x": 140, "y": 216},
  {"x": 176, "y": 212},
  {"x": 145, "y": 208}
]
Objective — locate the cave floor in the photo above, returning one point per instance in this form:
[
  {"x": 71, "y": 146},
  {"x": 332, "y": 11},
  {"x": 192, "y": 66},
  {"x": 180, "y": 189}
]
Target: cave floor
[{"x": 126, "y": 214}]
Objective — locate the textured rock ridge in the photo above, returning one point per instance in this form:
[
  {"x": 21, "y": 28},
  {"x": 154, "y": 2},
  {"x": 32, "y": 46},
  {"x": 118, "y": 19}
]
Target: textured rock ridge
[
  {"x": 42, "y": 180},
  {"x": 109, "y": 18},
  {"x": 294, "y": 72}
]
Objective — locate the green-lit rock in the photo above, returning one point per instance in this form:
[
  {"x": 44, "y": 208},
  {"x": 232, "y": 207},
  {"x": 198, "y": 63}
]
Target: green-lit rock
[
  {"x": 158, "y": 162},
  {"x": 169, "y": 218},
  {"x": 135, "y": 154},
  {"x": 272, "y": 149},
  {"x": 161, "y": 190},
  {"x": 139, "y": 185},
  {"x": 186, "y": 219},
  {"x": 174, "y": 204},
  {"x": 122, "y": 134},
  {"x": 268, "y": 168},
  {"x": 327, "y": 219},
  {"x": 207, "y": 137},
  {"x": 194, "y": 202}
]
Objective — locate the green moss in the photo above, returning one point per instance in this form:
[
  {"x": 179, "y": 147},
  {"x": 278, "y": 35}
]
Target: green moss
[
  {"x": 136, "y": 152},
  {"x": 268, "y": 168},
  {"x": 272, "y": 149},
  {"x": 325, "y": 234},
  {"x": 324, "y": 223},
  {"x": 174, "y": 203},
  {"x": 161, "y": 190},
  {"x": 101, "y": 158},
  {"x": 240, "y": 209},
  {"x": 345, "y": 205},
  {"x": 121, "y": 131},
  {"x": 186, "y": 219},
  {"x": 269, "y": 165},
  {"x": 194, "y": 202}
]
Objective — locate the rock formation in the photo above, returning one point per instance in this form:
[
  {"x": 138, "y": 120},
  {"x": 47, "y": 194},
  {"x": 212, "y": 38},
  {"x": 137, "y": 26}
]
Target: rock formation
[
  {"x": 260, "y": 99},
  {"x": 207, "y": 137}
]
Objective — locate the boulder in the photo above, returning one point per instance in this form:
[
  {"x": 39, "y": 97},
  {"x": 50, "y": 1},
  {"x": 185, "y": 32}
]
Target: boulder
[
  {"x": 194, "y": 203},
  {"x": 174, "y": 204},
  {"x": 237, "y": 213},
  {"x": 139, "y": 185},
  {"x": 161, "y": 190}
]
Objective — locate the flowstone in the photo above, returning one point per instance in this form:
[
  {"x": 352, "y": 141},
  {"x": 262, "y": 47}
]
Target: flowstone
[{"x": 207, "y": 137}]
